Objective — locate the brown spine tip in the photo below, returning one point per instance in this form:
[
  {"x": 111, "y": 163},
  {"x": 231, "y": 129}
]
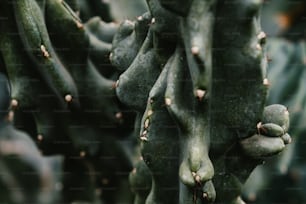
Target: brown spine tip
[
  {"x": 200, "y": 94},
  {"x": 150, "y": 112},
  {"x": 168, "y": 101},
  {"x": 82, "y": 154},
  {"x": 266, "y": 82},
  {"x": 134, "y": 171},
  {"x": 79, "y": 25},
  {"x": 14, "y": 103},
  {"x": 258, "y": 46},
  {"x": 142, "y": 138},
  {"x": 195, "y": 50},
  {"x": 10, "y": 116},
  {"x": 119, "y": 115},
  {"x": 261, "y": 36},
  {"x": 68, "y": 98},
  {"x": 146, "y": 123},
  {"x": 40, "y": 137},
  {"x": 44, "y": 51}
]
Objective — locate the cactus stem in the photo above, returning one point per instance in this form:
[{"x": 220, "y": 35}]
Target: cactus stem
[
  {"x": 14, "y": 103},
  {"x": 168, "y": 101},
  {"x": 82, "y": 154},
  {"x": 195, "y": 50},
  {"x": 40, "y": 137},
  {"x": 68, "y": 98},
  {"x": 200, "y": 94},
  {"x": 44, "y": 51},
  {"x": 266, "y": 82}
]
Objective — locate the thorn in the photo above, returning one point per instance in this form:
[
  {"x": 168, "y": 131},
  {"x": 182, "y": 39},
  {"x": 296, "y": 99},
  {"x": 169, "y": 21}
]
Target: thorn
[
  {"x": 146, "y": 123},
  {"x": 44, "y": 51},
  {"x": 153, "y": 21},
  {"x": 68, "y": 98},
  {"x": 104, "y": 181},
  {"x": 258, "y": 127},
  {"x": 150, "y": 112},
  {"x": 82, "y": 154},
  {"x": 151, "y": 100},
  {"x": 195, "y": 50},
  {"x": 200, "y": 94},
  {"x": 40, "y": 137},
  {"x": 144, "y": 138},
  {"x": 129, "y": 22},
  {"x": 105, "y": 1},
  {"x": 193, "y": 174},
  {"x": 134, "y": 171},
  {"x": 205, "y": 195},
  {"x": 197, "y": 179},
  {"x": 119, "y": 115},
  {"x": 141, "y": 158},
  {"x": 14, "y": 103},
  {"x": 261, "y": 36},
  {"x": 110, "y": 56},
  {"x": 168, "y": 101},
  {"x": 117, "y": 84},
  {"x": 266, "y": 82},
  {"x": 79, "y": 25},
  {"x": 140, "y": 18},
  {"x": 258, "y": 46}
]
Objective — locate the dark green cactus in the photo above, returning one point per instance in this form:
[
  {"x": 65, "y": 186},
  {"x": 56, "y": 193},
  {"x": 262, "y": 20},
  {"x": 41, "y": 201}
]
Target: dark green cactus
[{"x": 189, "y": 74}]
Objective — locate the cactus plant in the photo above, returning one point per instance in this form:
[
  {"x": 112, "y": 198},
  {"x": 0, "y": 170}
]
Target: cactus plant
[{"x": 182, "y": 99}]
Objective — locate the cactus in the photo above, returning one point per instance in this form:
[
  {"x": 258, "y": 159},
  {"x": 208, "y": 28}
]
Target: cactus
[{"x": 178, "y": 92}]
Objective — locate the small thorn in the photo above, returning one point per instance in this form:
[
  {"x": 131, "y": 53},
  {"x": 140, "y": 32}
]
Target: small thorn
[
  {"x": 44, "y": 51},
  {"x": 117, "y": 84},
  {"x": 82, "y": 154},
  {"x": 286, "y": 112},
  {"x": 129, "y": 22},
  {"x": 134, "y": 171},
  {"x": 144, "y": 133},
  {"x": 40, "y": 137},
  {"x": 266, "y": 82},
  {"x": 200, "y": 94},
  {"x": 14, "y": 103},
  {"x": 140, "y": 18},
  {"x": 143, "y": 138},
  {"x": 258, "y": 46},
  {"x": 153, "y": 21},
  {"x": 195, "y": 50},
  {"x": 141, "y": 158},
  {"x": 79, "y": 25},
  {"x": 105, "y": 181},
  {"x": 68, "y": 98},
  {"x": 205, "y": 195},
  {"x": 262, "y": 35},
  {"x": 259, "y": 125},
  {"x": 146, "y": 123},
  {"x": 151, "y": 100},
  {"x": 193, "y": 174},
  {"x": 168, "y": 101},
  {"x": 119, "y": 115},
  {"x": 105, "y": 1},
  {"x": 150, "y": 112},
  {"x": 110, "y": 56},
  {"x": 197, "y": 179}
]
